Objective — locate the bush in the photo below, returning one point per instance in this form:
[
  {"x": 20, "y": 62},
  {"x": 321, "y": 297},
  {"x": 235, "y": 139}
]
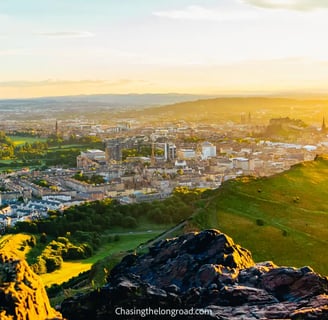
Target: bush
[
  {"x": 53, "y": 263},
  {"x": 63, "y": 240},
  {"x": 55, "y": 246},
  {"x": 43, "y": 238},
  {"x": 259, "y": 222},
  {"x": 32, "y": 241},
  {"x": 40, "y": 266},
  {"x": 129, "y": 222},
  {"x": 88, "y": 251},
  {"x": 74, "y": 253}
]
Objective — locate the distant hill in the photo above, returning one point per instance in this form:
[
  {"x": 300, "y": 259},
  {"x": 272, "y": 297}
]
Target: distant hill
[
  {"x": 223, "y": 109},
  {"x": 283, "y": 218},
  {"x": 159, "y": 107},
  {"x": 92, "y": 106}
]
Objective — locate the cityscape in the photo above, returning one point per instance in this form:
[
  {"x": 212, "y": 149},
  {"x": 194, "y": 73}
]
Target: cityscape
[
  {"x": 139, "y": 163},
  {"x": 163, "y": 159}
]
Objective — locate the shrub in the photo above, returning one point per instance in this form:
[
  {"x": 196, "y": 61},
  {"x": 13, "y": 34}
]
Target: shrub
[
  {"x": 88, "y": 251},
  {"x": 259, "y": 222},
  {"x": 43, "y": 238},
  {"x": 129, "y": 222},
  {"x": 74, "y": 253},
  {"x": 40, "y": 266},
  {"x": 53, "y": 263},
  {"x": 32, "y": 241},
  {"x": 63, "y": 240}
]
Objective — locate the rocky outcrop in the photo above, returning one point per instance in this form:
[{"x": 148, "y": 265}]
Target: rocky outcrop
[
  {"x": 203, "y": 270},
  {"x": 22, "y": 294}
]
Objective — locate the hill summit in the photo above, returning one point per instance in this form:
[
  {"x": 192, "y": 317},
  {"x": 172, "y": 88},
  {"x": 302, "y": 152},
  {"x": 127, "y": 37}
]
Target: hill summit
[{"x": 203, "y": 271}]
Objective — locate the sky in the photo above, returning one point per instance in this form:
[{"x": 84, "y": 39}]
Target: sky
[{"x": 71, "y": 47}]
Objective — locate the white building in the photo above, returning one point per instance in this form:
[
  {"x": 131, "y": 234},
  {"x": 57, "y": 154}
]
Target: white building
[
  {"x": 94, "y": 154},
  {"x": 170, "y": 151},
  {"x": 208, "y": 150},
  {"x": 186, "y": 154}
]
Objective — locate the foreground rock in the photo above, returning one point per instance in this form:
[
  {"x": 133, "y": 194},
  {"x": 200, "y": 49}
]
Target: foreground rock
[
  {"x": 203, "y": 270},
  {"x": 22, "y": 294}
]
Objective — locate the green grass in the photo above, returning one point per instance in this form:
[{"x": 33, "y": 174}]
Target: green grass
[
  {"x": 292, "y": 206},
  {"x": 19, "y": 140},
  {"x": 70, "y": 269}
]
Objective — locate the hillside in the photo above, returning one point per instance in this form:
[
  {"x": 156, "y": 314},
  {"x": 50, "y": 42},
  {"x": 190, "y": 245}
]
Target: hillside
[
  {"x": 199, "y": 275},
  {"x": 283, "y": 218},
  {"x": 202, "y": 275},
  {"x": 231, "y": 108}
]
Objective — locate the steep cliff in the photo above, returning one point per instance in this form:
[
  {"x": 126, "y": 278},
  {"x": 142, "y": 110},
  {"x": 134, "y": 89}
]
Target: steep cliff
[
  {"x": 203, "y": 270},
  {"x": 22, "y": 294}
]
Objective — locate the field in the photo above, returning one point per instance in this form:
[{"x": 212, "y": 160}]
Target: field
[
  {"x": 127, "y": 241},
  {"x": 70, "y": 269},
  {"x": 283, "y": 218},
  {"x": 18, "y": 140}
]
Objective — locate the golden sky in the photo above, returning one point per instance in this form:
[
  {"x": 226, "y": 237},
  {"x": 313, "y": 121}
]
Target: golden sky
[{"x": 68, "y": 47}]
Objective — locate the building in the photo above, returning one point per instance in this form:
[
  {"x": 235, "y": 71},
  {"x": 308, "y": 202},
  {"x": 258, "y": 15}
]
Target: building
[
  {"x": 90, "y": 159},
  {"x": 208, "y": 150},
  {"x": 170, "y": 151},
  {"x": 114, "y": 150},
  {"x": 186, "y": 154},
  {"x": 243, "y": 164},
  {"x": 94, "y": 155}
]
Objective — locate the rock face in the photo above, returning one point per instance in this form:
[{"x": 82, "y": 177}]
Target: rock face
[
  {"x": 22, "y": 294},
  {"x": 203, "y": 270}
]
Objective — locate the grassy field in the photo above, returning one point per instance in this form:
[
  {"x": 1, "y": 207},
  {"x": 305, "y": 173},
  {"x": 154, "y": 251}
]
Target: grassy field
[
  {"x": 18, "y": 140},
  {"x": 70, "y": 269},
  {"x": 283, "y": 218},
  {"x": 127, "y": 241}
]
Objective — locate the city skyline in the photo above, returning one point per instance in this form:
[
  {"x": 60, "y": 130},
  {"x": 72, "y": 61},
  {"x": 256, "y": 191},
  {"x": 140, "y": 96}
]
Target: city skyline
[{"x": 218, "y": 47}]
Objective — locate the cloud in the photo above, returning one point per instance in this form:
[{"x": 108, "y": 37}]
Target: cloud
[
  {"x": 53, "y": 83},
  {"x": 298, "y": 5},
  {"x": 66, "y": 34},
  {"x": 198, "y": 13}
]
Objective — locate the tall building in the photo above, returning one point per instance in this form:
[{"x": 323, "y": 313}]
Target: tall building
[
  {"x": 323, "y": 126},
  {"x": 57, "y": 129},
  {"x": 208, "y": 150},
  {"x": 114, "y": 150},
  {"x": 170, "y": 151}
]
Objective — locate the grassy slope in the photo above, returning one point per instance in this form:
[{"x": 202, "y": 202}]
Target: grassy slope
[
  {"x": 13, "y": 242},
  {"x": 19, "y": 140},
  {"x": 128, "y": 241},
  {"x": 295, "y": 232},
  {"x": 70, "y": 269}
]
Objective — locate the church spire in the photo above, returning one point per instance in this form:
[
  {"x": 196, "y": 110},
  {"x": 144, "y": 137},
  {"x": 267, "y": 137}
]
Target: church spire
[{"x": 323, "y": 127}]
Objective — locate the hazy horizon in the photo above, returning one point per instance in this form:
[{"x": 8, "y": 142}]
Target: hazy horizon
[{"x": 208, "y": 47}]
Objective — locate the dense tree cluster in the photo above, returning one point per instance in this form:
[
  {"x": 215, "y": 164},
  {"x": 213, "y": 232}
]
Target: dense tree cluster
[
  {"x": 94, "y": 179},
  {"x": 57, "y": 251},
  {"x": 54, "y": 151},
  {"x": 142, "y": 151},
  {"x": 99, "y": 216},
  {"x": 80, "y": 230}
]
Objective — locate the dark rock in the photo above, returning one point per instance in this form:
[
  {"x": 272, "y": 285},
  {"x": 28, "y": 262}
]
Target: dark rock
[{"x": 205, "y": 270}]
